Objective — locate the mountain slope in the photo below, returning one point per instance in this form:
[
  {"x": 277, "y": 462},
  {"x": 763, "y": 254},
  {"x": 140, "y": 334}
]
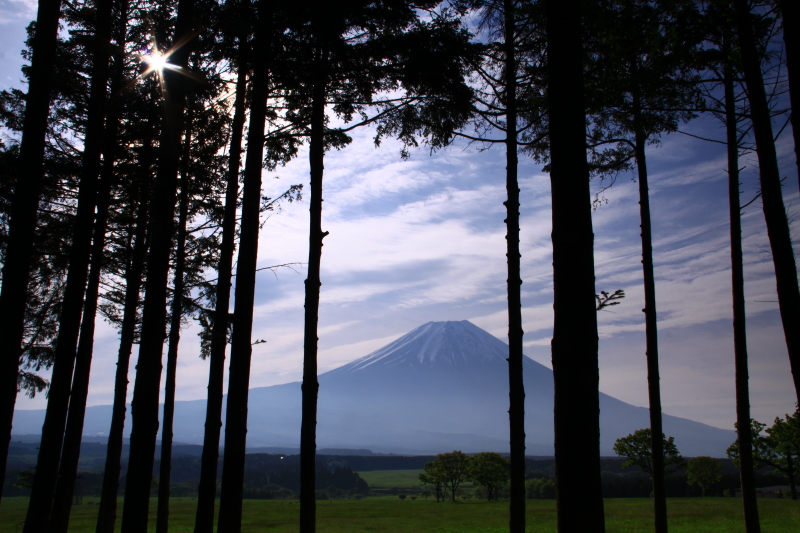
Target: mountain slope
[{"x": 443, "y": 386}]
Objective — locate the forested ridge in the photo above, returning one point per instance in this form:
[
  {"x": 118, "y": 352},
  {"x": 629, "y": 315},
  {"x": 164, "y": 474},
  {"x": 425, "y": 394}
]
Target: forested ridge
[{"x": 131, "y": 191}]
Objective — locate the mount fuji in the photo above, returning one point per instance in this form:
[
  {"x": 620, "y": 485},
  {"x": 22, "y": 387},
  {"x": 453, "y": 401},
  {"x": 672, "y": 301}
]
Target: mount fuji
[{"x": 443, "y": 386}]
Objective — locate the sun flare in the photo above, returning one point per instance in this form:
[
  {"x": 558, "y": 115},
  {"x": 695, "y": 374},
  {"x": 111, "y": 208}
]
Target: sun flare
[{"x": 156, "y": 61}]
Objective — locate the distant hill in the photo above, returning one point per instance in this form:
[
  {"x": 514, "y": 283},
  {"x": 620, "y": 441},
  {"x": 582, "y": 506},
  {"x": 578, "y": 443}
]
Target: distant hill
[{"x": 443, "y": 386}]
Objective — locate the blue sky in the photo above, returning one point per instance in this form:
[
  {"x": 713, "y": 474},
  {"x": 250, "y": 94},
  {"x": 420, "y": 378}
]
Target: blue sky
[{"x": 419, "y": 240}]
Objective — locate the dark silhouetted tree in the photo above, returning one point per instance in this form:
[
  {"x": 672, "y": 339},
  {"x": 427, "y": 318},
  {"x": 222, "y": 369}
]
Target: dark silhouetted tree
[
  {"x": 22, "y": 215},
  {"x": 575, "y": 341},
  {"x": 144, "y": 417},
  {"x": 207, "y": 488},
  {"x": 705, "y": 472},
  {"x": 772, "y": 198},
  {"x": 44, "y": 481},
  {"x": 638, "y": 450},
  {"x": 646, "y": 52},
  {"x": 230, "y": 510},
  {"x": 505, "y": 90}
]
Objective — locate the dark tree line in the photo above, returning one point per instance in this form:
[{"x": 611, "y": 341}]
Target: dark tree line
[{"x": 123, "y": 193}]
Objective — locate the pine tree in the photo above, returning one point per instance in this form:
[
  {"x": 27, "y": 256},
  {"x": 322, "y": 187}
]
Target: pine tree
[
  {"x": 507, "y": 88},
  {"x": 772, "y": 197},
  {"x": 646, "y": 84},
  {"x": 230, "y": 509},
  {"x": 148, "y": 376},
  {"x": 575, "y": 342},
  {"x": 23, "y": 213},
  {"x": 207, "y": 488},
  {"x": 47, "y": 466}
]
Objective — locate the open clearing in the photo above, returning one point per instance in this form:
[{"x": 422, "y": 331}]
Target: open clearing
[
  {"x": 392, "y": 478},
  {"x": 687, "y": 515}
]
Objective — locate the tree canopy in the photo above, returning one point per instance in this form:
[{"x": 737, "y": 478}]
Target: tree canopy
[{"x": 636, "y": 447}]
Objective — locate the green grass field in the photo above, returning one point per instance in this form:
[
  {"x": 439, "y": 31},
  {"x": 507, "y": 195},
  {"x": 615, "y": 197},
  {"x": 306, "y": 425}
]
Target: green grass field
[
  {"x": 392, "y": 478},
  {"x": 687, "y": 515}
]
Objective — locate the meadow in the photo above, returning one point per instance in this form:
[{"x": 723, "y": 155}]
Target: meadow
[
  {"x": 392, "y": 478},
  {"x": 686, "y": 515}
]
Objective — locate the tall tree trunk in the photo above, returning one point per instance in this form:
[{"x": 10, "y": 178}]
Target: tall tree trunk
[
  {"x": 108, "y": 496},
  {"x": 651, "y": 328},
  {"x": 310, "y": 386},
  {"x": 516, "y": 387},
  {"x": 575, "y": 343},
  {"x": 745, "y": 437},
  {"x": 164, "y": 476},
  {"x": 107, "y": 512},
  {"x": 791, "y": 26},
  {"x": 230, "y": 509},
  {"x": 204, "y": 519},
  {"x": 24, "y": 214},
  {"x": 47, "y": 465},
  {"x": 772, "y": 198},
  {"x": 144, "y": 409},
  {"x": 68, "y": 470}
]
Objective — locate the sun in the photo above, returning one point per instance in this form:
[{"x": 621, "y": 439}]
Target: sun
[{"x": 156, "y": 61}]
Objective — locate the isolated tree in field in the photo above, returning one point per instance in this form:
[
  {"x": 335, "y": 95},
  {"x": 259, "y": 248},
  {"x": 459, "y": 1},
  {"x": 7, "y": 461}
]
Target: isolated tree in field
[
  {"x": 784, "y": 440},
  {"x": 758, "y": 440},
  {"x": 705, "y": 472},
  {"x": 637, "y": 448},
  {"x": 448, "y": 470},
  {"x": 490, "y": 470},
  {"x": 432, "y": 476},
  {"x": 779, "y": 448},
  {"x": 575, "y": 343},
  {"x": 780, "y": 238}
]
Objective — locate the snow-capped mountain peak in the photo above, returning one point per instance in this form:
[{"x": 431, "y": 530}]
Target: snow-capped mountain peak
[{"x": 436, "y": 344}]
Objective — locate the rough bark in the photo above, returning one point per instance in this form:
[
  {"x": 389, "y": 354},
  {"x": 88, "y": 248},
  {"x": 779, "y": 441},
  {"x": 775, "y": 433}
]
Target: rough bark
[
  {"x": 310, "y": 386},
  {"x": 230, "y": 509},
  {"x": 772, "y": 198},
  {"x": 176, "y": 316},
  {"x": 144, "y": 415},
  {"x": 516, "y": 387},
  {"x": 23, "y": 214},
  {"x": 749, "y": 502},
  {"x": 574, "y": 347},
  {"x": 207, "y": 489},
  {"x": 47, "y": 464},
  {"x": 651, "y": 329}
]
